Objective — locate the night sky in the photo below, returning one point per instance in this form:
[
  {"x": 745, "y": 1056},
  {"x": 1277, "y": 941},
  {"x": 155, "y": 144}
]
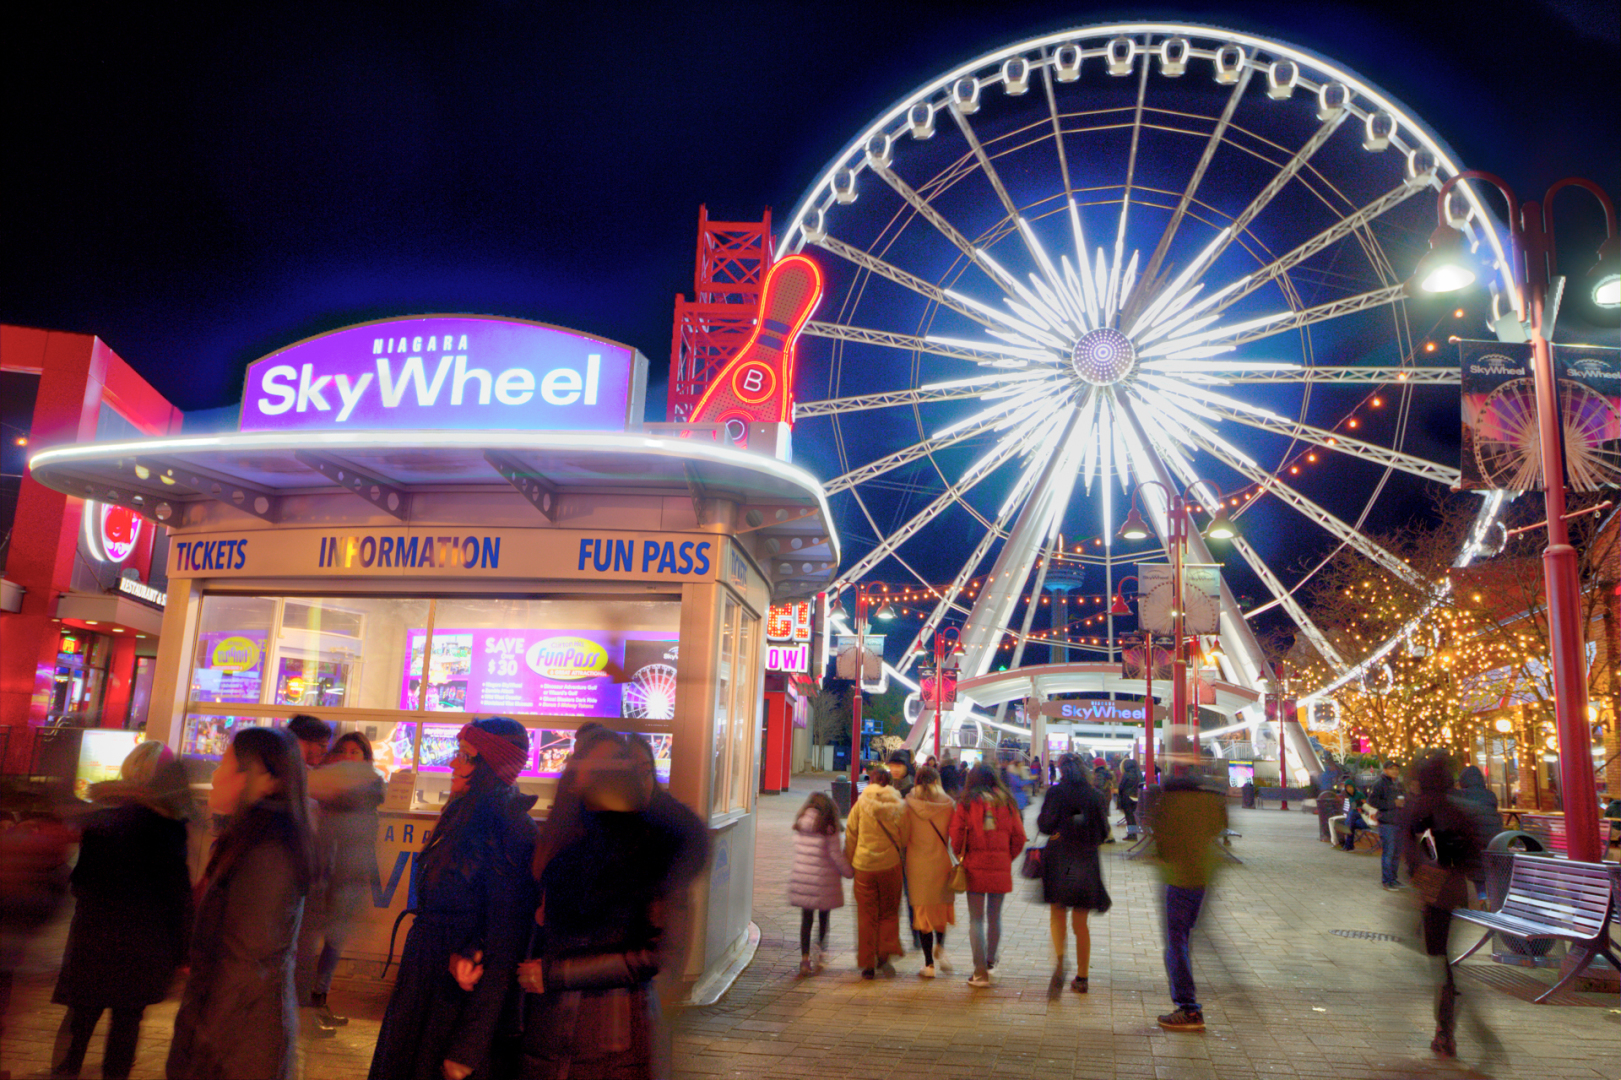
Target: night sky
[{"x": 199, "y": 189}]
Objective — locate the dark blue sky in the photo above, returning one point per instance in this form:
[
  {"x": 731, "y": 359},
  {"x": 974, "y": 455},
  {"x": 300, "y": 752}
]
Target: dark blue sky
[{"x": 199, "y": 189}]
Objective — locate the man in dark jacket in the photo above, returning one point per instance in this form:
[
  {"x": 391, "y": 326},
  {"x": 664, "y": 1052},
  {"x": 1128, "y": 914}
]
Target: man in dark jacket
[
  {"x": 1480, "y": 803},
  {"x": 1385, "y": 798}
]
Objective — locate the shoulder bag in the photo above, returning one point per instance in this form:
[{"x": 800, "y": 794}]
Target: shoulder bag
[{"x": 957, "y": 880}]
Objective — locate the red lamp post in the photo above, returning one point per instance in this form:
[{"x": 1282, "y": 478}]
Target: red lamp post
[
  {"x": 884, "y": 613},
  {"x": 1532, "y": 266},
  {"x": 1179, "y": 518},
  {"x": 1120, "y": 607},
  {"x": 944, "y": 637}
]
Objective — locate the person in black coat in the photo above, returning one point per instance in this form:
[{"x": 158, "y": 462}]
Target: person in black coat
[
  {"x": 1480, "y": 802},
  {"x": 475, "y": 903},
  {"x": 613, "y": 865},
  {"x": 1075, "y": 816},
  {"x": 1131, "y": 788},
  {"x": 238, "y": 1018},
  {"x": 133, "y": 893}
]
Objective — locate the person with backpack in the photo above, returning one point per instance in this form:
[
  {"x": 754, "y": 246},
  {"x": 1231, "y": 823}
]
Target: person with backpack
[
  {"x": 929, "y": 867},
  {"x": 1075, "y": 816},
  {"x": 872, "y": 844},
  {"x": 987, "y": 832},
  {"x": 816, "y": 879},
  {"x": 1131, "y": 787}
]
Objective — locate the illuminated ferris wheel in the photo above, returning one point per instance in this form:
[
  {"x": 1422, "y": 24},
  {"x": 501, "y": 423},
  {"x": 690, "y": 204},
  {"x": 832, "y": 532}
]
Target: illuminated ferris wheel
[{"x": 1112, "y": 255}]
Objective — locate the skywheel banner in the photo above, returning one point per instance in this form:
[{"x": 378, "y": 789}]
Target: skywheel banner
[{"x": 1501, "y": 447}]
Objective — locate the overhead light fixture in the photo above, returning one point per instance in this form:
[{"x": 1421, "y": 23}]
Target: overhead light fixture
[
  {"x": 1446, "y": 267},
  {"x": 885, "y": 613},
  {"x": 1221, "y": 527},
  {"x": 1119, "y": 607},
  {"x": 1134, "y": 528},
  {"x": 1606, "y": 274}
]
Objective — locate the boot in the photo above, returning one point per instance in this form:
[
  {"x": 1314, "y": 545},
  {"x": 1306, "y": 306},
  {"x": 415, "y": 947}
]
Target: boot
[{"x": 328, "y": 1017}]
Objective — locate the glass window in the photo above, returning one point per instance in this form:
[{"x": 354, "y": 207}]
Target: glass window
[
  {"x": 233, "y": 635},
  {"x": 209, "y": 735},
  {"x": 724, "y": 667},
  {"x": 745, "y": 710}
]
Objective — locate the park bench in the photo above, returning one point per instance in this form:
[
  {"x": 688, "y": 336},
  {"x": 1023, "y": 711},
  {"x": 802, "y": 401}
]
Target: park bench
[{"x": 1554, "y": 899}]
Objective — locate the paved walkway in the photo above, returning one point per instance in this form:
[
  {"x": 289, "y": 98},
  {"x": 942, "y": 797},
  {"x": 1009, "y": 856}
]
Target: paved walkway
[{"x": 1284, "y": 997}]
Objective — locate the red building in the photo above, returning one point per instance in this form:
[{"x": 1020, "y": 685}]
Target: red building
[{"x": 79, "y": 611}]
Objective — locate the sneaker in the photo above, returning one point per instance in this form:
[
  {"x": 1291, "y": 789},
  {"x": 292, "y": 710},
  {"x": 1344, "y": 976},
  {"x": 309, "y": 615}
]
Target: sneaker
[
  {"x": 1078, "y": 984},
  {"x": 980, "y": 980},
  {"x": 1183, "y": 1020},
  {"x": 321, "y": 1029},
  {"x": 927, "y": 972},
  {"x": 886, "y": 969},
  {"x": 1389, "y": 887},
  {"x": 1108, "y": 840},
  {"x": 868, "y": 973},
  {"x": 806, "y": 967},
  {"x": 940, "y": 960},
  {"x": 819, "y": 957}
]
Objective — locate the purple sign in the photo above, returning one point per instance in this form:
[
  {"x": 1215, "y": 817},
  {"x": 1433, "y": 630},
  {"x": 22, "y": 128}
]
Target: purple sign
[
  {"x": 548, "y": 672},
  {"x": 447, "y": 372}
]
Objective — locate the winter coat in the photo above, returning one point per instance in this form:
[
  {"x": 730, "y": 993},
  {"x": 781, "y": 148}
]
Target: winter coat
[
  {"x": 474, "y": 894},
  {"x": 1131, "y": 786},
  {"x": 238, "y": 1018},
  {"x": 1187, "y": 821},
  {"x": 1479, "y": 801},
  {"x": 348, "y": 793},
  {"x": 987, "y": 834},
  {"x": 924, "y": 828},
  {"x": 866, "y": 844},
  {"x": 816, "y": 882},
  {"x": 130, "y": 921},
  {"x": 604, "y": 898},
  {"x": 1075, "y": 817}
]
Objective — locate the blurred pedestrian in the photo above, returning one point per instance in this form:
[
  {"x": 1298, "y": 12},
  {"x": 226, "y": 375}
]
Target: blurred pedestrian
[
  {"x": 923, "y": 829},
  {"x": 1017, "y": 778},
  {"x": 951, "y": 777},
  {"x": 132, "y": 911},
  {"x": 1385, "y": 799},
  {"x": 1327, "y": 783},
  {"x": 348, "y": 791},
  {"x": 1071, "y": 877},
  {"x": 1188, "y": 817},
  {"x": 475, "y": 901},
  {"x": 901, "y": 772},
  {"x": 238, "y": 1015},
  {"x": 1480, "y": 802},
  {"x": 1131, "y": 787},
  {"x": 314, "y": 737},
  {"x": 1441, "y": 848},
  {"x": 816, "y": 880},
  {"x": 987, "y": 832},
  {"x": 872, "y": 844},
  {"x": 613, "y": 860},
  {"x": 1103, "y": 784}
]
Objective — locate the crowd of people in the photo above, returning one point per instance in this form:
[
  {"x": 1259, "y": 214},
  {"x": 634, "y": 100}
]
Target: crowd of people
[{"x": 535, "y": 949}]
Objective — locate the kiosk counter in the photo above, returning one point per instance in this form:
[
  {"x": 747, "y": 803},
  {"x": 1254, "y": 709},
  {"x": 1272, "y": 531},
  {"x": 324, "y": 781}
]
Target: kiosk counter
[{"x": 402, "y": 582}]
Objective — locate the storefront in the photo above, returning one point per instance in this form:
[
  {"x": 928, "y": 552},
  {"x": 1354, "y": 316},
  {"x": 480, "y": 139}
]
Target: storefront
[{"x": 556, "y": 563}]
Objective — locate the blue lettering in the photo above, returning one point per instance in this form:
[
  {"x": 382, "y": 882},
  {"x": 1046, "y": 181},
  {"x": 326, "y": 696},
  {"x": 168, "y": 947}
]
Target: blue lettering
[
  {"x": 388, "y": 835},
  {"x": 602, "y": 556},
  {"x": 686, "y": 557},
  {"x": 405, "y": 554},
  {"x": 588, "y": 549},
  {"x": 703, "y": 557},
  {"x": 427, "y": 558},
  {"x": 667, "y": 558},
  {"x": 624, "y": 555},
  {"x": 382, "y": 896},
  {"x": 208, "y": 554},
  {"x": 368, "y": 551},
  {"x": 180, "y": 554},
  {"x": 241, "y": 554},
  {"x": 405, "y": 832},
  {"x": 385, "y": 551},
  {"x": 491, "y": 556},
  {"x": 470, "y": 552},
  {"x": 650, "y": 551}
]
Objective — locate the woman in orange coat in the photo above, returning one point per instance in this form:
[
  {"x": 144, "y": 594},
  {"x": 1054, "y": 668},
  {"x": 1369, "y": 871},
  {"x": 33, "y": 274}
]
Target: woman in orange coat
[{"x": 987, "y": 832}]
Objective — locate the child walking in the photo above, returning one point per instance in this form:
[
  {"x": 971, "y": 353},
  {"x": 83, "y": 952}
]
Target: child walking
[{"x": 816, "y": 883}]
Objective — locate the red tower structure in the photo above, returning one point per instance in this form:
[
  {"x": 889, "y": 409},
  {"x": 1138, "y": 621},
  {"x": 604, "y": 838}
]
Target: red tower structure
[{"x": 733, "y": 258}]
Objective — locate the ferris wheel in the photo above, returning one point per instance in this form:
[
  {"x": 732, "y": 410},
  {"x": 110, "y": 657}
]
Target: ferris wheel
[{"x": 1125, "y": 253}]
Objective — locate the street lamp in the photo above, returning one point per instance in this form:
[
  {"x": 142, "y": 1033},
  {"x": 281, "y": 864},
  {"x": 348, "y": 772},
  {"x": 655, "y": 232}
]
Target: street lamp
[
  {"x": 1533, "y": 268},
  {"x": 1120, "y": 607},
  {"x": 885, "y": 612},
  {"x": 947, "y": 647},
  {"x": 1179, "y": 520}
]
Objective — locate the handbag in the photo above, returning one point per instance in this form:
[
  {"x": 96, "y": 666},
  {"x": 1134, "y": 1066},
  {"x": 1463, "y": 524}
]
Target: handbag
[
  {"x": 1031, "y": 867},
  {"x": 957, "y": 880}
]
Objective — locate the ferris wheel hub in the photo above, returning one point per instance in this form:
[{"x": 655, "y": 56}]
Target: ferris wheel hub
[{"x": 1103, "y": 357}]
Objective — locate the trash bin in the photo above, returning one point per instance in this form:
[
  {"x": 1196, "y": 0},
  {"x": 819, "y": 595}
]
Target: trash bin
[{"x": 841, "y": 794}]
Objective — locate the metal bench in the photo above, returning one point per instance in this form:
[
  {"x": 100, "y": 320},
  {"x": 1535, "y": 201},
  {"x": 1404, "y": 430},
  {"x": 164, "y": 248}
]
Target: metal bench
[{"x": 1554, "y": 899}]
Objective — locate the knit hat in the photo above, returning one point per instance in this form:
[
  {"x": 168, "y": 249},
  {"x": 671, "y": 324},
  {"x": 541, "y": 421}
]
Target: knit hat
[{"x": 505, "y": 756}]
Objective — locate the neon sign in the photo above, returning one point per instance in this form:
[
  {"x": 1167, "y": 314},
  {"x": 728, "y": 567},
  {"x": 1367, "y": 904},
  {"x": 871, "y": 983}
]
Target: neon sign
[
  {"x": 110, "y": 532},
  {"x": 788, "y": 622},
  {"x": 757, "y": 385},
  {"x": 447, "y": 371}
]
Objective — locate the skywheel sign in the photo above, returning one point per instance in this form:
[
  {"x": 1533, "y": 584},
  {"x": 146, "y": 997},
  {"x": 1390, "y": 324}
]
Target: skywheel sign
[{"x": 447, "y": 371}]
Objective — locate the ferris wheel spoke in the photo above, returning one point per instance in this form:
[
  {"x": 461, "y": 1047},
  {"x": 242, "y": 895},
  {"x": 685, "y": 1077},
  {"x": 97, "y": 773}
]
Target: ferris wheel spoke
[
  {"x": 988, "y": 353},
  {"x": 901, "y": 277},
  {"x": 890, "y": 462},
  {"x": 1224, "y": 338},
  {"x": 806, "y": 410},
  {"x": 1319, "y": 516},
  {"x": 999, "y": 455},
  {"x": 1350, "y": 374},
  {"x": 949, "y": 602},
  {"x": 991, "y": 174},
  {"x": 1117, "y": 289},
  {"x": 1370, "y": 452},
  {"x": 927, "y": 211},
  {"x": 1331, "y": 235},
  {"x": 1217, "y": 134},
  {"x": 1286, "y": 600}
]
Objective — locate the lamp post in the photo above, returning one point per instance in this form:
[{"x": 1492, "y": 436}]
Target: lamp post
[
  {"x": 1533, "y": 267},
  {"x": 946, "y": 636},
  {"x": 884, "y": 613},
  {"x": 1179, "y": 519},
  {"x": 1120, "y": 607}
]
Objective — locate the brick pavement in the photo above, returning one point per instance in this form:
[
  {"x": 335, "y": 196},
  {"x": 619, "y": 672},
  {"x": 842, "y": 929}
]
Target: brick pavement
[{"x": 1283, "y": 997}]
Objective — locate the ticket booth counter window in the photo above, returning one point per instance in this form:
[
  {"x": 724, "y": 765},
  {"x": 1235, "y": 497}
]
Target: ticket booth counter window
[
  {"x": 735, "y": 709},
  {"x": 408, "y": 672}
]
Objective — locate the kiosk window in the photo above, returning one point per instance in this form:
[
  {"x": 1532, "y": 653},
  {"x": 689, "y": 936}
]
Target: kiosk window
[
  {"x": 725, "y": 667},
  {"x": 735, "y": 710}
]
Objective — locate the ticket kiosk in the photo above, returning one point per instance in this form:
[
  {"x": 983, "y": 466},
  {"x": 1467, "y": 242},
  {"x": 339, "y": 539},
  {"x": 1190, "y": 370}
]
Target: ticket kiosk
[{"x": 383, "y": 546}]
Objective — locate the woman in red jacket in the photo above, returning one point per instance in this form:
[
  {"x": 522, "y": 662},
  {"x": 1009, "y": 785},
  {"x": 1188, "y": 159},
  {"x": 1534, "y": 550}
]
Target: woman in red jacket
[{"x": 987, "y": 832}]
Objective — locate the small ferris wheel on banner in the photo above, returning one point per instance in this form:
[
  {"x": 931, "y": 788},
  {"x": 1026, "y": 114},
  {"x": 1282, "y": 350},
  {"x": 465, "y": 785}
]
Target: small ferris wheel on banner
[
  {"x": 1508, "y": 450},
  {"x": 650, "y": 694}
]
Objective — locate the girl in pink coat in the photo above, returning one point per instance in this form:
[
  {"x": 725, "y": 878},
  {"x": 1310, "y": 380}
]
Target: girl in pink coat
[
  {"x": 987, "y": 832},
  {"x": 816, "y": 882}
]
